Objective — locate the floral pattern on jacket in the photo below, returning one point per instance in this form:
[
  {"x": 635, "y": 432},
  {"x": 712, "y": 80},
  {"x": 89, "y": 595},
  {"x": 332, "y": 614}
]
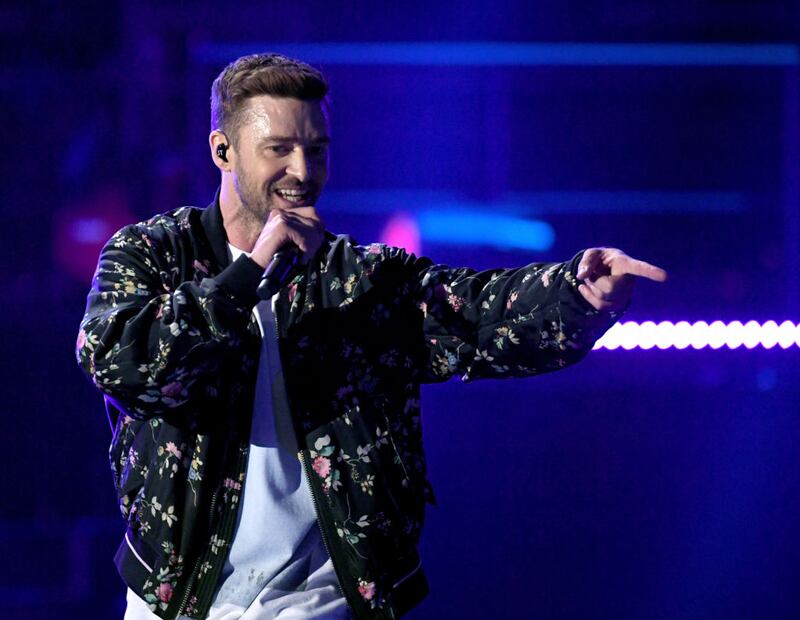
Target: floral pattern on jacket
[{"x": 169, "y": 338}]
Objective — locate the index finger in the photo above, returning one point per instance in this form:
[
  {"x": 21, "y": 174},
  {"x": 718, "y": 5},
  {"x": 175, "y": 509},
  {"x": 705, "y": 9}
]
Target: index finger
[
  {"x": 636, "y": 267},
  {"x": 309, "y": 212},
  {"x": 307, "y": 215}
]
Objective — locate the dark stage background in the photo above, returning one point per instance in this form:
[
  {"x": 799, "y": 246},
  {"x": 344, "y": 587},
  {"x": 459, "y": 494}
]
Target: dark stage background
[{"x": 640, "y": 484}]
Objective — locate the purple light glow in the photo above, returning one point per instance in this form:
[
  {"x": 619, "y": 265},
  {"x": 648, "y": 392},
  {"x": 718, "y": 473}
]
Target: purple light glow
[
  {"x": 700, "y": 335},
  {"x": 402, "y": 231}
]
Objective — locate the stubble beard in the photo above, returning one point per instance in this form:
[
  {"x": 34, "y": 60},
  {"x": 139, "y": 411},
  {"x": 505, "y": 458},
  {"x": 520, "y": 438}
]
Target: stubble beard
[{"x": 255, "y": 205}]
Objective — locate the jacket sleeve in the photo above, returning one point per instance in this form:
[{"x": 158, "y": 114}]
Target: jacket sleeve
[
  {"x": 151, "y": 342},
  {"x": 506, "y": 322}
]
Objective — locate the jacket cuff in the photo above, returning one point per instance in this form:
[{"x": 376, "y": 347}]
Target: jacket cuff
[
  {"x": 241, "y": 279},
  {"x": 572, "y": 284}
]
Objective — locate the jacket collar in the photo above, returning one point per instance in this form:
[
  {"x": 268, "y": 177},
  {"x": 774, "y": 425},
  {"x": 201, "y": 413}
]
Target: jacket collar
[{"x": 211, "y": 219}]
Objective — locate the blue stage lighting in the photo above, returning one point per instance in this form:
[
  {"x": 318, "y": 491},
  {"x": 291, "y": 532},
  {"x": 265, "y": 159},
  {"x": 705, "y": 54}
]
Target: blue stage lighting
[{"x": 492, "y": 229}]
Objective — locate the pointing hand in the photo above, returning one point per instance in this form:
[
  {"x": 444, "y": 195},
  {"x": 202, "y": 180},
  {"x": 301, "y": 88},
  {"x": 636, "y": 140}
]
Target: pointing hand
[{"x": 608, "y": 275}]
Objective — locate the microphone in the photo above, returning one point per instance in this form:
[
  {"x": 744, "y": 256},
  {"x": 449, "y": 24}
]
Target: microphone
[{"x": 277, "y": 272}]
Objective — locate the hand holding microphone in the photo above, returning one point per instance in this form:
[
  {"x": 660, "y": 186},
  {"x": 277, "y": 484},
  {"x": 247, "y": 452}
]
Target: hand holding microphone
[
  {"x": 288, "y": 237},
  {"x": 277, "y": 272}
]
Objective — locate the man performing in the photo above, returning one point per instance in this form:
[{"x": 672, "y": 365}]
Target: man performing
[{"x": 267, "y": 455}]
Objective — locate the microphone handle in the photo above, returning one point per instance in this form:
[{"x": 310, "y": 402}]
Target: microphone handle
[{"x": 277, "y": 272}]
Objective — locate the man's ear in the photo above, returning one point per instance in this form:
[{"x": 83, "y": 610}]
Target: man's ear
[{"x": 220, "y": 150}]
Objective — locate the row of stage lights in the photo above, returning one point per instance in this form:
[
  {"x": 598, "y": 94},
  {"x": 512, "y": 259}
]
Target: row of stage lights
[{"x": 700, "y": 335}]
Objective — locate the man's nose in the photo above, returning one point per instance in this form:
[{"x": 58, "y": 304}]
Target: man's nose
[{"x": 298, "y": 165}]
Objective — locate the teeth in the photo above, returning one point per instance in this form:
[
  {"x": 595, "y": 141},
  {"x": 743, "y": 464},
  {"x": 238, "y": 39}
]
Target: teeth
[{"x": 292, "y": 195}]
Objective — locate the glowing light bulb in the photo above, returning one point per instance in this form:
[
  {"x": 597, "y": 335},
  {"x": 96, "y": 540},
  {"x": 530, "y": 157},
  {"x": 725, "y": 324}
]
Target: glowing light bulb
[
  {"x": 716, "y": 335},
  {"x": 752, "y": 334}
]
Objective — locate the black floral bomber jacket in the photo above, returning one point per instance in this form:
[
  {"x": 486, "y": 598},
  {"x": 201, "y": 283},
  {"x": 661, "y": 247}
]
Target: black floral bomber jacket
[{"x": 170, "y": 339}]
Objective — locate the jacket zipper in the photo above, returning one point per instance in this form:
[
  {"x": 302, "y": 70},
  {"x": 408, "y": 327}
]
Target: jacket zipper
[
  {"x": 319, "y": 523},
  {"x": 197, "y": 563},
  {"x": 199, "y": 559},
  {"x": 305, "y": 465}
]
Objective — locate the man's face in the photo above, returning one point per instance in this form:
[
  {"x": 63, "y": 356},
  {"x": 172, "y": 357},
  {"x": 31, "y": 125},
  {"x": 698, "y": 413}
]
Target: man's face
[{"x": 281, "y": 154}]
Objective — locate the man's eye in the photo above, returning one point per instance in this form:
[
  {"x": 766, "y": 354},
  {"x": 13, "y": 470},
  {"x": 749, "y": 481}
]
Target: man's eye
[{"x": 279, "y": 149}]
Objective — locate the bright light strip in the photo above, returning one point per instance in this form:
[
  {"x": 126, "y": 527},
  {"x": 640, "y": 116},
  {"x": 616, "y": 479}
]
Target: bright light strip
[{"x": 700, "y": 335}]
